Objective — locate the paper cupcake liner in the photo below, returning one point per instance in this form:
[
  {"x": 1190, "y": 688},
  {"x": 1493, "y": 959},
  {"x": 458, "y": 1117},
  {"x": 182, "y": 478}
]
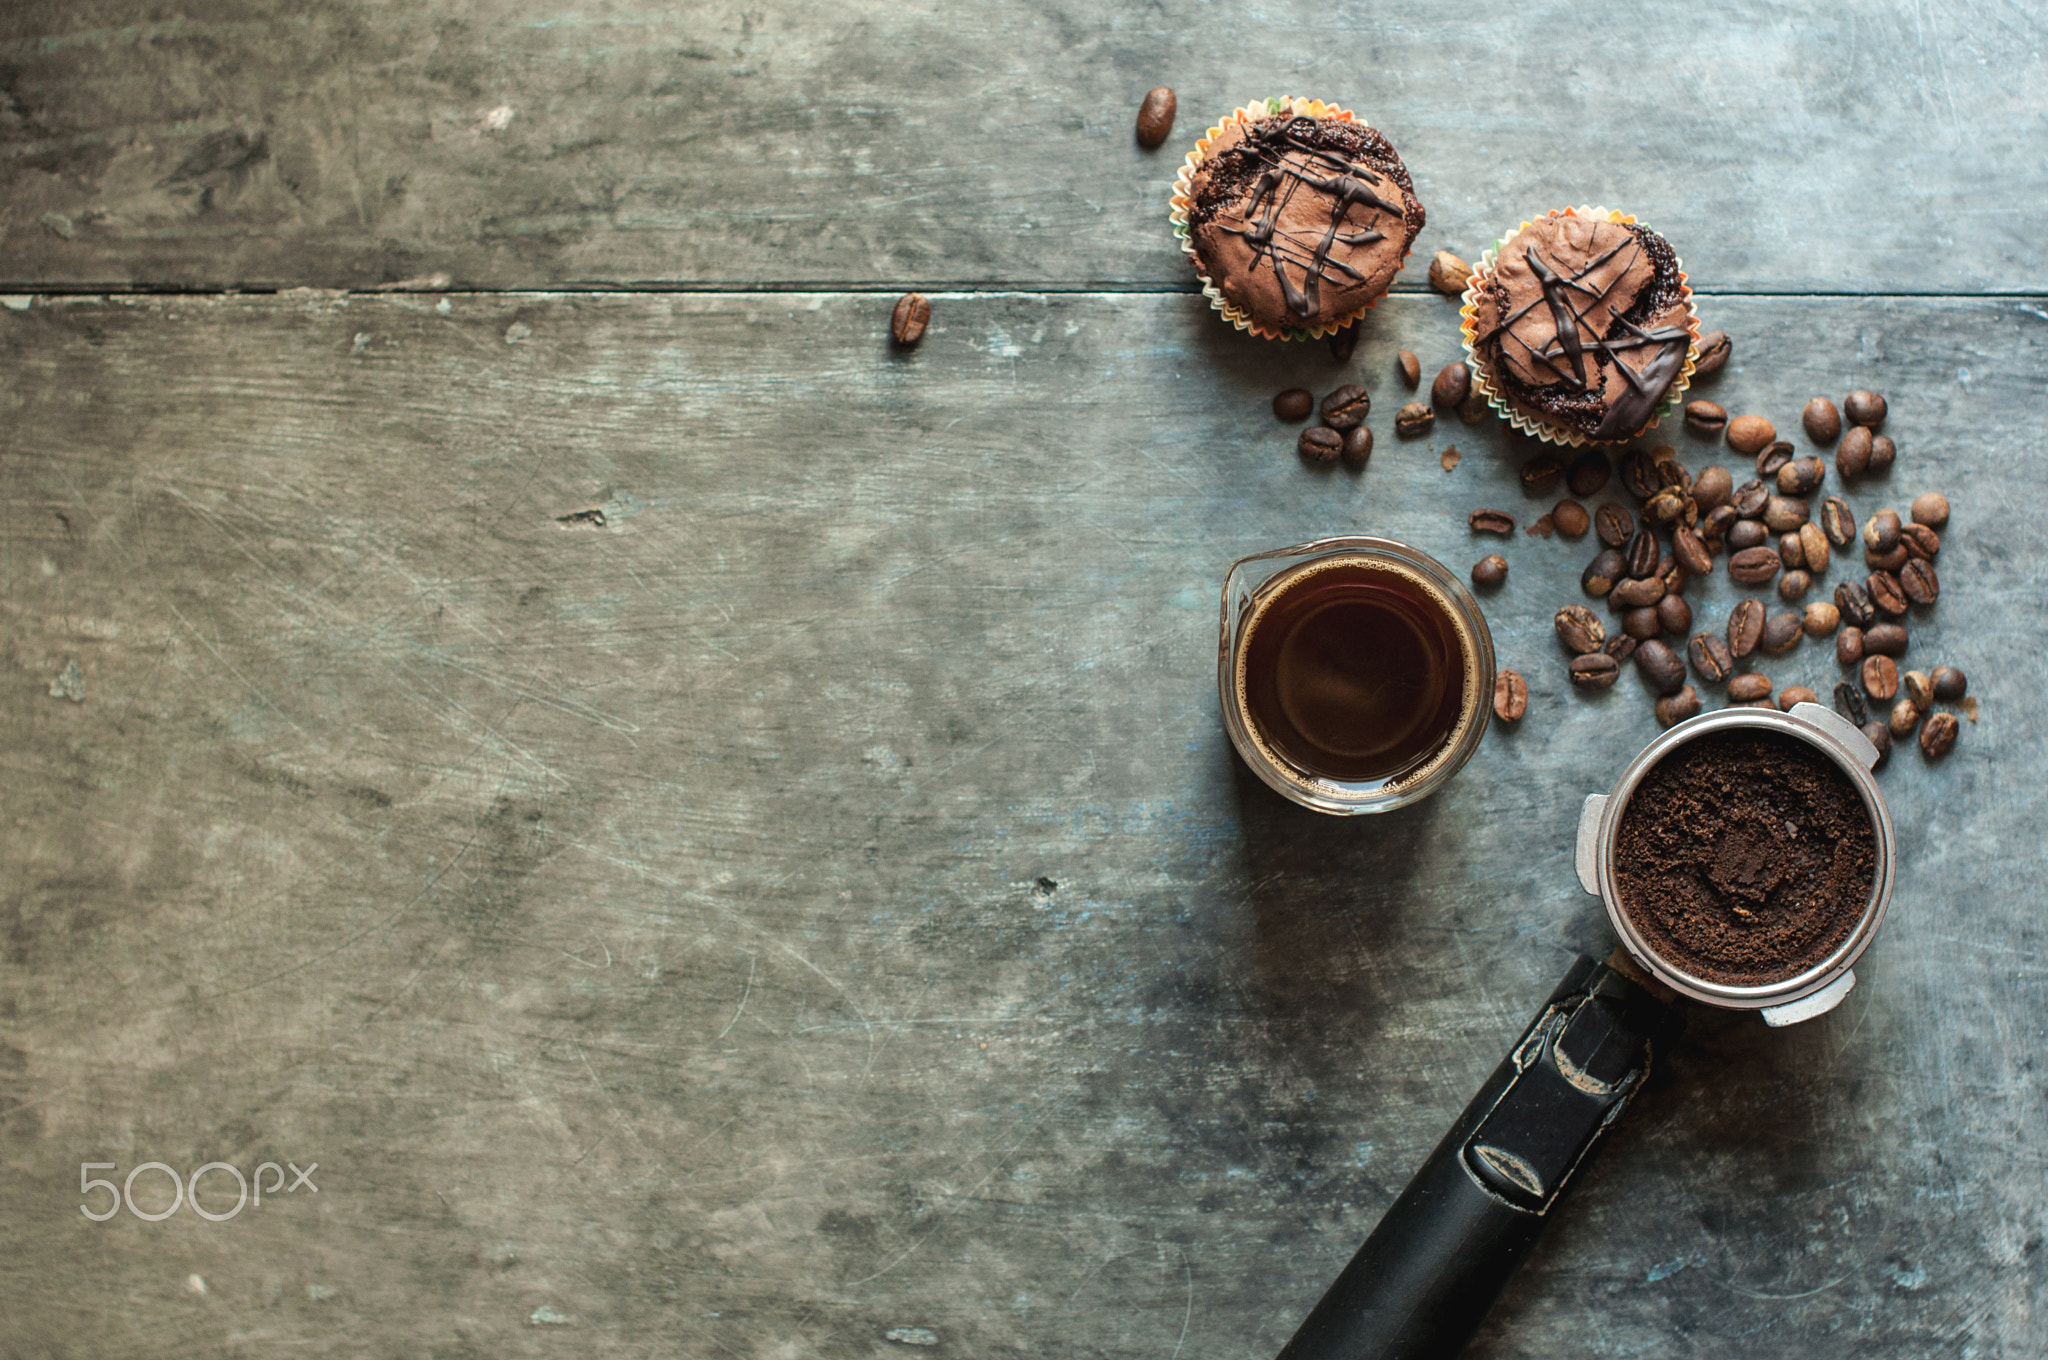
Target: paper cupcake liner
[
  {"x": 1535, "y": 425},
  {"x": 1183, "y": 200}
]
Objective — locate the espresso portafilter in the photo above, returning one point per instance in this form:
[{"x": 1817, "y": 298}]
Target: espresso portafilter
[{"x": 1423, "y": 1282}]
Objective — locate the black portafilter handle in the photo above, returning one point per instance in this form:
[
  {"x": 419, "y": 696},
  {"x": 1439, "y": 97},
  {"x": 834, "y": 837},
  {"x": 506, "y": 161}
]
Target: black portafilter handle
[{"x": 1422, "y": 1283}]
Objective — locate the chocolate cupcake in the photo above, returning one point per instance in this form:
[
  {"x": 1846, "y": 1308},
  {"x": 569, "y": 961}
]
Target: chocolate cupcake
[
  {"x": 1580, "y": 327},
  {"x": 1296, "y": 215}
]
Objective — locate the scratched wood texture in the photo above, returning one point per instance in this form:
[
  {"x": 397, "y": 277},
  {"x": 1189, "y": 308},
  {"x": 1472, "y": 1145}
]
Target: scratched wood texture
[
  {"x": 815, "y": 911},
  {"x": 1859, "y": 146}
]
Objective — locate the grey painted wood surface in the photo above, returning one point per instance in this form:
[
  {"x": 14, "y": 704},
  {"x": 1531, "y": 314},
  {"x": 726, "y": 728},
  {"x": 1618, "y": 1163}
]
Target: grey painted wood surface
[
  {"x": 816, "y": 912},
  {"x": 1859, "y": 146}
]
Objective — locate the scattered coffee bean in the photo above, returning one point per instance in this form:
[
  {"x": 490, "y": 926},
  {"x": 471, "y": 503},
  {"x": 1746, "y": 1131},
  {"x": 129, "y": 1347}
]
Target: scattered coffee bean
[
  {"x": 1691, "y": 551},
  {"x": 1749, "y": 687},
  {"x": 1453, "y": 384},
  {"x": 912, "y": 313},
  {"x": 1801, "y": 476},
  {"x": 1448, "y": 274},
  {"x": 1853, "y": 599},
  {"x": 1781, "y": 633},
  {"x": 1822, "y": 421},
  {"x": 1413, "y": 419},
  {"x": 1357, "y": 446},
  {"x": 1794, "y": 583},
  {"x": 1772, "y": 459},
  {"x": 1884, "y": 639},
  {"x": 1782, "y": 514},
  {"x": 1320, "y": 445},
  {"x": 1879, "y": 736},
  {"x": 1637, "y": 592},
  {"x": 1155, "y": 117},
  {"x": 1886, "y": 593},
  {"x": 1920, "y": 541},
  {"x": 1641, "y": 623},
  {"x": 1710, "y": 657},
  {"x": 1674, "y": 615},
  {"x": 1510, "y": 696},
  {"x": 1950, "y": 684},
  {"x": 1849, "y": 702},
  {"x": 1673, "y": 709},
  {"x": 1864, "y": 408},
  {"x": 1918, "y": 688},
  {"x": 1589, "y": 472},
  {"x": 1904, "y": 718},
  {"x": 1796, "y": 694},
  {"x": 1639, "y": 475},
  {"x": 1820, "y": 619},
  {"x": 1750, "y": 498},
  {"x": 1938, "y": 737},
  {"x": 1880, "y": 678},
  {"x": 1669, "y": 570},
  {"x": 1887, "y": 561},
  {"x": 1669, "y": 505},
  {"x": 1542, "y": 474},
  {"x": 1749, "y": 434},
  {"x": 1570, "y": 518},
  {"x": 1918, "y": 581},
  {"x": 1620, "y": 646},
  {"x": 1745, "y": 628},
  {"x": 1882, "y": 453},
  {"x": 1491, "y": 522},
  {"x": 1705, "y": 416},
  {"x": 1837, "y": 521},
  {"x": 1346, "y": 408},
  {"x": 1791, "y": 551},
  {"x": 1849, "y": 646},
  {"x": 1931, "y": 510},
  {"x": 1579, "y": 629},
  {"x": 1614, "y": 524},
  {"x": 1410, "y": 366},
  {"x": 1753, "y": 566},
  {"x": 1746, "y": 533},
  {"x": 1472, "y": 408},
  {"x": 1661, "y": 667},
  {"x": 1813, "y": 546},
  {"x": 1852, "y": 455},
  {"x": 1642, "y": 552},
  {"x": 1343, "y": 343},
  {"x": 1712, "y": 488},
  {"x": 1597, "y": 670},
  {"x": 1714, "y": 349},
  {"x": 1603, "y": 572},
  {"x": 1490, "y": 570},
  {"x": 1294, "y": 404}
]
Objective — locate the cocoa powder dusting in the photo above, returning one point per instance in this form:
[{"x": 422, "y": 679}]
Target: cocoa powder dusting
[{"x": 1745, "y": 858}]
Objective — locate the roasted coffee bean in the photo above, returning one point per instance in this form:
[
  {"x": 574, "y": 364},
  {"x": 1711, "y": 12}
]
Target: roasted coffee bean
[
  {"x": 1155, "y": 117},
  {"x": 1746, "y": 533},
  {"x": 1879, "y": 736},
  {"x": 1668, "y": 571},
  {"x": 1712, "y": 488},
  {"x": 1663, "y": 668},
  {"x": 1579, "y": 629},
  {"x": 1713, "y": 352},
  {"x": 1706, "y": 417},
  {"x": 1357, "y": 446},
  {"x": 1852, "y": 455},
  {"x": 1453, "y": 384},
  {"x": 1864, "y": 408},
  {"x": 1639, "y": 475},
  {"x": 1749, "y": 687},
  {"x": 1413, "y": 419},
  {"x": 1613, "y": 524},
  {"x": 1589, "y": 472},
  {"x": 1668, "y": 505},
  {"x": 1710, "y": 657},
  {"x": 1491, "y": 522},
  {"x": 1854, "y": 601},
  {"x": 1596, "y": 670},
  {"x": 1294, "y": 404},
  {"x": 1642, "y": 552},
  {"x": 1881, "y": 531},
  {"x": 1882, "y": 453},
  {"x": 1801, "y": 476},
  {"x": 1837, "y": 521},
  {"x": 1674, "y": 615},
  {"x": 1691, "y": 551},
  {"x": 1772, "y": 459},
  {"x": 1410, "y": 367},
  {"x": 1448, "y": 274},
  {"x": 912, "y": 313},
  {"x": 1782, "y": 514},
  {"x": 1886, "y": 593},
  {"x": 1918, "y": 687},
  {"x": 1918, "y": 581},
  {"x": 1641, "y": 623},
  {"x": 1794, "y": 583},
  {"x": 1781, "y": 633},
  {"x": 1320, "y": 445},
  {"x": 1602, "y": 572},
  {"x": 1753, "y": 566},
  {"x": 1673, "y": 709},
  {"x": 1884, "y": 639},
  {"x": 1813, "y": 546},
  {"x": 1904, "y": 718},
  {"x": 1490, "y": 570},
  {"x": 1920, "y": 541},
  {"x": 1570, "y": 518},
  {"x": 1938, "y": 737},
  {"x": 1620, "y": 646},
  {"x": 1793, "y": 695},
  {"x": 1472, "y": 409},
  {"x": 1822, "y": 421},
  {"x": 1343, "y": 343},
  {"x": 1510, "y": 696},
  {"x": 1887, "y": 561},
  {"x": 1636, "y": 592},
  {"x": 1749, "y": 434},
  {"x": 1347, "y": 407},
  {"x": 1791, "y": 552},
  {"x": 1950, "y": 684},
  {"x": 1820, "y": 619},
  {"x": 1745, "y": 627},
  {"x": 1931, "y": 510},
  {"x": 1849, "y": 703},
  {"x": 1749, "y": 499},
  {"x": 1849, "y": 645},
  {"x": 1541, "y": 474},
  {"x": 1880, "y": 678}
]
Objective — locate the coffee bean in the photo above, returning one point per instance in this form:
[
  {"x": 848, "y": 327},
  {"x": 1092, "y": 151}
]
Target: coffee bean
[
  {"x": 1602, "y": 572},
  {"x": 1347, "y": 407},
  {"x": 1749, "y": 499},
  {"x": 1639, "y": 475},
  {"x": 1918, "y": 581},
  {"x": 1753, "y": 566},
  {"x": 1849, "y": 645},
  {"x": 1837, "y": 521},
  {"x": 1710, "y": 657},
  {"x": 1673, "y": 709},
  {"x": 1772, "y": 459},
  {"x": 1745, "y": 628},
  {"x": 1920, "y": 541},
  {"x": 1706, "y": 417},
  {"x": 1294, "y": 404},
  {"x": 1448, "y": 274},
  {"x": 1669, "y": 505},
  {"x": 1938, "y": 737},
  {"x": 1904, "y": 718},
  {"x": 1343, "y": 343},
  {"x": 1413, "y": 419},
  {"x": 1712, "y": 487},
  {"x": 1640, "y": 623},
  {"x": 1491, "y": 522},
  {"x": 1691, "y": 551},
  {"x": 1320, "y": 445},
  {"x": 1673, "y": 576},
  {"x": 1791, "y": 551},
  {"x": 1794, "y": 583},
  {"x": 1155, "y": 117},
  {"x": 1747, "y": 533},
  {"x": 1887, "y": 561},
  {"x": 1642, "y": 552},
  {"x": 1749, "y": 434},
  {"x": 1880, "y": 678},
  {"x": 1613, "y": 524},
  {"x": 1918, "y": 688},
  {"x": 1801, "y": 476},
  {"x": 1849, "y": 702},
  {"x": 1820, "y": 619},
  {"x": 1882, "y": 453},
  {"x": 1864, "y": 408},
  {"x": 1931, "y": 510},
  {"x": 1813, "y": 546},
  {"x": 1782, "y": 514},
  {"x": 1541, "y": 474},
  {"x": 1637, "y": 592},
  {"x": 1793, "y": 695},
  {"x": 1570, "y": 518},
  {"x": 1950, "y": 684},
  {"x": 1854, "y": 601},
  {"x": 1357, "y": 446},
  {"x": 1879, "y": 736},
  {"x": 1781, "y": 633},
  {"x": 1661, "y": 667},
  {"x": 1588, "y": 473},
  {"x": 1490, "y": 570},
  {"x": 1884, "y": 639},
  {"x": 908, "y": 319},
  {"x": 1620, "y": 646},
  {"x": 1714, "y": 349},
  {"x": 1886, "y": 593},
  {"x": 1881, "y": 531},
  {"x": 1822, "y": 421},
  {"x": 1579, "y": 629},
  {"x": 1852, "y": 455},
  {"x": 1453, "y": 384},
  {"x": 1597, "y": 670},
  {"x": 1749, "y": 687},
  {"x": 1674, "y": 615},
  {"x": 1510, "y": 696}
]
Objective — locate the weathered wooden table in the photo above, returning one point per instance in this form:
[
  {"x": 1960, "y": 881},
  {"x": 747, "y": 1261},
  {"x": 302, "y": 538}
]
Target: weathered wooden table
[{"x": 715, "y": 835}]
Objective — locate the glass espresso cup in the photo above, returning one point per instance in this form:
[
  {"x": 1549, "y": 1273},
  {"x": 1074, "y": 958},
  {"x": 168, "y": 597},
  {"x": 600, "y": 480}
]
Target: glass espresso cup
[{"x": 1356, "y": 673}]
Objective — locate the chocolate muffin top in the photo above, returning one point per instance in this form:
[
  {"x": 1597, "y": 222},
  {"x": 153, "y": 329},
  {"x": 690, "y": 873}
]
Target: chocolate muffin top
[
  {"x": 1299, "y": 221},
  {"x": 1583, "y": 324}
]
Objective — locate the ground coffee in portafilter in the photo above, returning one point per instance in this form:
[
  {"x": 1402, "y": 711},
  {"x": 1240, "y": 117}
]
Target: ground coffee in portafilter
[{"x": 1745, "y": 858}]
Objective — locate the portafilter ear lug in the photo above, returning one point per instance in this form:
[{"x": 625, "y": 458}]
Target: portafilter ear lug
[
  {"x": 1588, "y": 857},
  {"x": 1840, "y": 728},
  {"x": 1817, "y": 1003}
]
